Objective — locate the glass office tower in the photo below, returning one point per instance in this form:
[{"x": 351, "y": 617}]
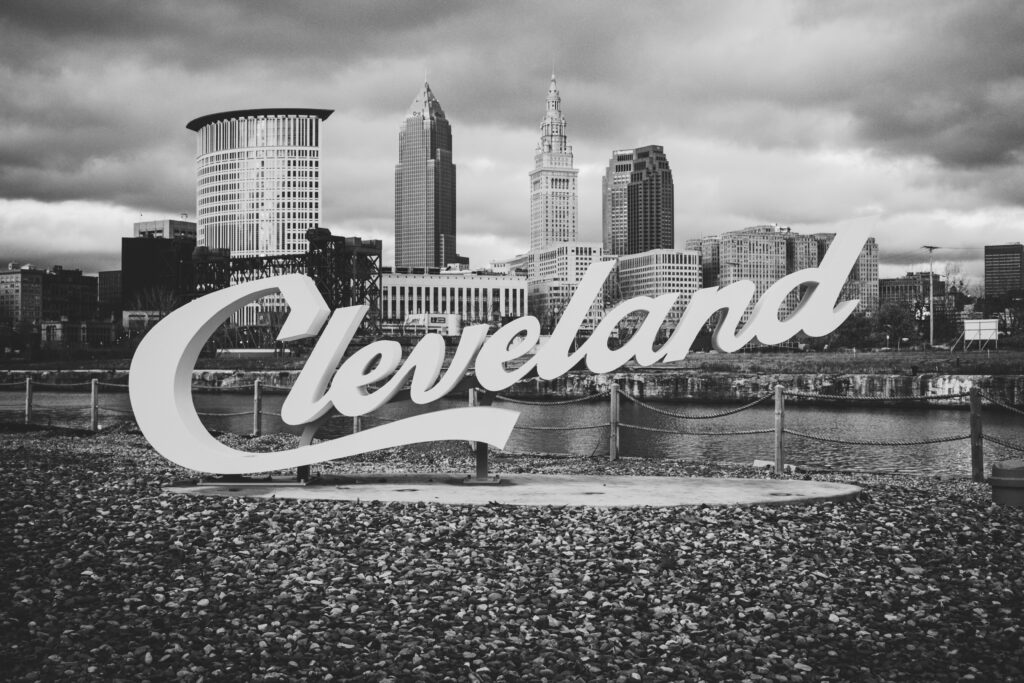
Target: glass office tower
[{"x": 425, "y": 187}]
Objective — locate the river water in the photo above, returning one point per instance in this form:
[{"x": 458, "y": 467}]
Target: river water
[{"x": 843, "y": 421}]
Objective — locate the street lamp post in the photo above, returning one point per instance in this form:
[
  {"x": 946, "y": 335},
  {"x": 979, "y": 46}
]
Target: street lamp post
[{"x": 931, "y": 296}]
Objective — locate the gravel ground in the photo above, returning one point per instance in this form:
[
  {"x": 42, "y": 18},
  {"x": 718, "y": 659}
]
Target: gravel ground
[{"x": 109, "y": 578}]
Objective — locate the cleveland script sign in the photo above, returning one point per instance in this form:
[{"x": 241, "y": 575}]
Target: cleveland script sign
[{"x": 160, "y": 380}]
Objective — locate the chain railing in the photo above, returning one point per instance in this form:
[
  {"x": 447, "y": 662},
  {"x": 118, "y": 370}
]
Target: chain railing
[{"x": 613, "y": 426}]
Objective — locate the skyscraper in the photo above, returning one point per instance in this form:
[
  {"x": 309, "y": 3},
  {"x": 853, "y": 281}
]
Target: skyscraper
[
  {"x": 258, "y": 179},
  {"x": 639, "y": 201},
  {"x": 553, "y": 196},
  {"x": 615, "y": 192},
  {"x": 651, "y": 202},
  {"x": 425, "y": 187}
]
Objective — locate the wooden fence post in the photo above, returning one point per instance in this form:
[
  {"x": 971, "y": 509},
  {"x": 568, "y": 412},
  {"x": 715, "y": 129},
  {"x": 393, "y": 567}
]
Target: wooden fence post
[
  {"x": 780, "y": 425},
  {"x": 94, "y": 406},
  {"x": 28, "y": 400},
  {"x": 977, "y": 452},
  {"x": 479, "y": 447},
  {"x": 613, "y": 423},
  {"x": 257, "y": 408}
]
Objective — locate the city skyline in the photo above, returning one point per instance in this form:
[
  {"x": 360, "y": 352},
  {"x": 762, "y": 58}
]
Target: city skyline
[{"x": 920, "y": 137}]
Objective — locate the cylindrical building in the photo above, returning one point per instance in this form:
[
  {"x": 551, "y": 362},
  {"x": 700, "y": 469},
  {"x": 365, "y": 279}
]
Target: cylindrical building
[{"x": 258, "y": 179}]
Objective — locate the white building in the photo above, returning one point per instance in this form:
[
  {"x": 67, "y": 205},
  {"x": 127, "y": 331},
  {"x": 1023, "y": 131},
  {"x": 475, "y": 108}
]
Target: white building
[
  {"x": 258, "y": 185},
  {"x": 553, "y": 195},
  {"x": 553, "y": 274},
  {"x": 661, "y": 271},
  {"x": 258, "y": 180},
  {"x": 478, "y": 296}
]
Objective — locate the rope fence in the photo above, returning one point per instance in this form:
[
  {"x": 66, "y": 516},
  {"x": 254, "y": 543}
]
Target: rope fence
[
  {"x": 686, "y": 416},
  {"x": 660, "y": 430},
  {"x": 877, "y": 442},
  {"x": 613, "y": 425}
]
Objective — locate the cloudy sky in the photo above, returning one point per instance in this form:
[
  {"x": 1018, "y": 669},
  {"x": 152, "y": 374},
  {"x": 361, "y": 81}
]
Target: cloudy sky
[{"x": 907, "y": 117}]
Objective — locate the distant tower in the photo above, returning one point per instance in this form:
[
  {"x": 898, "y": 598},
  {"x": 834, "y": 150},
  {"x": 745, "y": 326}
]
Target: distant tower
[
  {"x": 553, "y": 202},
  {"x": 651, "y": 219},
  {"x": 258, "y": 180},
  {"x": 425, "y": 187}
]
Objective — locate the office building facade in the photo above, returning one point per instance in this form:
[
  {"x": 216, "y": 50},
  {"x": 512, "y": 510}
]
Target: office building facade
[
  {"x": 477, "y": 296},
  {"x": 553, "y": 190},
  {"x": 166, "y": 228},
  {"x": 108, "y": 294},
  {"x": 21, "y": 295},
  {"x": 862, "y": 280},
  {"x": 553, "y": 274},
  {"x": 765, "y": 254},
  {"x": 155, "y": 273},
  {"x": 258, "y": 185},
  {"x": 661, "y": 271},
  {"x": 615, "y": 202},
  {"x": 31, "y": 295},
  {"x": 425, "y": 187},
  {"x": 651, "y": 212},
  {"x": 638, "y": 212},
  {"x": 1004, "y": 269}
]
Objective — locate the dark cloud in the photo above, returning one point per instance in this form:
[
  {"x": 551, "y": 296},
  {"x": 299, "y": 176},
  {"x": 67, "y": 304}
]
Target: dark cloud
[{"x": 746, "y": 97}]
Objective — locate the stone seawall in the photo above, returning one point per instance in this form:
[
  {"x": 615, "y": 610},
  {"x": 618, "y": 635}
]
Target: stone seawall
[
  {"x": 658, "y": 384},
  {"x": 691, "y": 386}
]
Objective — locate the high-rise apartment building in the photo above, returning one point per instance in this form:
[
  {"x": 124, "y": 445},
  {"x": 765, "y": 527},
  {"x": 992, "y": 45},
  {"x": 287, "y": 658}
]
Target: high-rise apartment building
[
  {"x": 638, "y": 201},
  {"x": 1004, "y": 269},
  {"x": 425, "y": 187},
  {"x": 258, "y": 179},
  {"x": 553, "y": 194}
]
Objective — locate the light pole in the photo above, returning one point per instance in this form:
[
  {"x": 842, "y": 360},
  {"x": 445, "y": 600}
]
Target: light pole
[{"x": 931, "y": 297}]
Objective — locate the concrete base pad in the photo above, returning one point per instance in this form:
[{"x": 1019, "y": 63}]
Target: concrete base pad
[{"x": 547, "y": 489}]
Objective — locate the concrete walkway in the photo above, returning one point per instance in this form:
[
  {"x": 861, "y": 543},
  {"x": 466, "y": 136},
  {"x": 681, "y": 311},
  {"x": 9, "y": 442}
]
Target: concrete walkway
[{"x": 542, "y": 489}]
